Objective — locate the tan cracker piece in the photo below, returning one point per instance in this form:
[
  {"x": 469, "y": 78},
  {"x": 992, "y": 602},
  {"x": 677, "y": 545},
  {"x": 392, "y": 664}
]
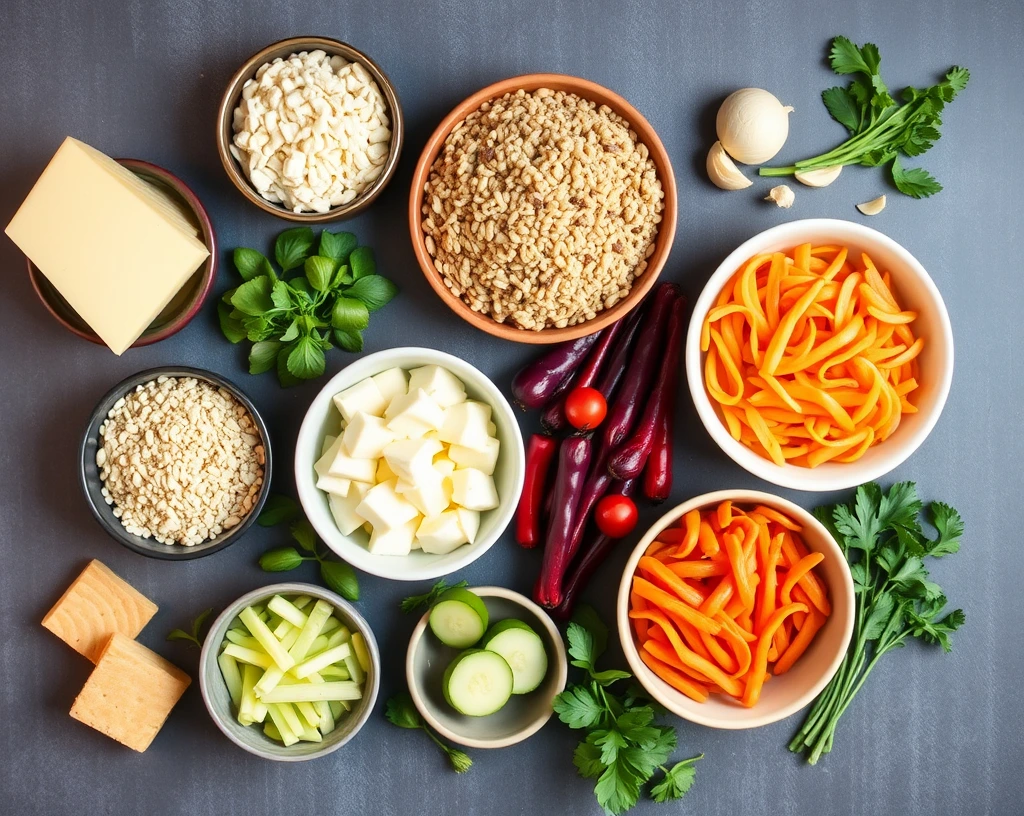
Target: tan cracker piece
[
  {"x": 130, "y": 693},
  {"x": 94, "y": 607}
]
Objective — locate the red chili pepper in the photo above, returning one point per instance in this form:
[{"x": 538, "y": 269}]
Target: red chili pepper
[{"x": 539, "y": 454}]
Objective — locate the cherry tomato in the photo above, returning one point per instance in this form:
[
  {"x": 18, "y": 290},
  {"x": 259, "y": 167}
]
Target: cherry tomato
[
  {"x": 616, "y": 516},
  {"x": 585, "y": 408}
]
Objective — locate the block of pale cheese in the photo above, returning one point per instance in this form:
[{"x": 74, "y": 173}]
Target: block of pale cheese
[{"x": 115, "y": 247}]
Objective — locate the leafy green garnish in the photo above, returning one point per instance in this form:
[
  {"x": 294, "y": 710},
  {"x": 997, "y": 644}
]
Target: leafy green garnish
[
  {"x": 414, "y": 602},
  {"x": 623, "y": 748},
  {"x": 293, "y": 320},
  {"x": 881, "y": 129},
  {"x": 192, "y": 636},
  {"x": 400, "y": 711},
  {"x": 883, "y": 539},
  {"x": 278, "y": 509}
]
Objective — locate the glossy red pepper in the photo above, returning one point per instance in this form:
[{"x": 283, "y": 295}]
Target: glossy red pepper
[{"x": 530, "y": 513}]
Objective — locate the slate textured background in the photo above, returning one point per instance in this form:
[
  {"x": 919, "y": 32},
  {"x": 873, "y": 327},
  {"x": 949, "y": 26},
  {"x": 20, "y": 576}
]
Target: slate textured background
[{"x": 931, "y": 733}]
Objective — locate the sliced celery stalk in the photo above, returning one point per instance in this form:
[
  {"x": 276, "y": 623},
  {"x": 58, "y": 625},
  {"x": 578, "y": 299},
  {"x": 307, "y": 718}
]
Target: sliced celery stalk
[
  {"x": 287, "y": 611},
  {"x": 271, "y": 731},
  {"x": 336, "y": 673},
  {"x": 318, "y": 645},
  {"x": 232, "y": 677},
  {"x": 332, "y": 624},
  {"x": 322, "y": 660},
  {"x": 341, "y": 635},
  {"x": 311, "y": 735},
  {"x": 240, "y": 639},
  {"x": 267, "y": 640},
  {"x": 249, "y": 656},
  {"x": 250, "y": 674},
  {"x": 301, "y": 601},
  {"x": 310, "y": 692},
  {"x": 293, "y": 635},
  {"x": 274, "y": 621},
  {"x": 308, "y": 714},
  {"x": 355, "y": 671},
  {"x": 314, "y": 623},
  {"x": 282, "y": 629},
  {"x": 259, "y": 711},
  {"x": 362, "y": 653},
  {"x": 327, "y": 723},
  {"x": 287, "y": 734},
  {"x": 291, "y": 717},
  {"x": 337, "y": 709},
  {"x": 271, "y": 677}
]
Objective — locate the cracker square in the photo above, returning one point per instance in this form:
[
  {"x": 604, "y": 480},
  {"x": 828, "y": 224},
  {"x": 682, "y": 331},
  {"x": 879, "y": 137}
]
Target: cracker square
[
  {"x": 130, "y": 693},
  {"x": 96, "y": 605}
]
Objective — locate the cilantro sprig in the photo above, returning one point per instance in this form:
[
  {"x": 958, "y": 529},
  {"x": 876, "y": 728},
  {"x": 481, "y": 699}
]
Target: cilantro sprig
[
  {"x": 400, "y": 711},
  {"x": 883, "y": 539},
  {"x": 624, "y": 747},
  {"x": 881, "y": 129},
  {"x": 414, "y": 602},
  {"x": 292, "y": 321}
]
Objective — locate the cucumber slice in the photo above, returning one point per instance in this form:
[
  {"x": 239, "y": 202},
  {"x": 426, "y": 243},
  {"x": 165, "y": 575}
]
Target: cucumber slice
[
  {"x": 522, "y": 649},
  {"x": 478, "y": 683},
  {"x": 459, "y": 618}
]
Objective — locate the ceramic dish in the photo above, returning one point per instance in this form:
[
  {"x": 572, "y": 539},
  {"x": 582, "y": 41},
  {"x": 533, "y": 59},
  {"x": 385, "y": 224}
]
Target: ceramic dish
[
  {"x": 663, "y": 240},
  {"x": 88, "y": 472},
  {"x": 523, "y": 715},
  {"x": 251, "y": 738},
  {"x": 284, "y": 49},
  {"x": 184, "y": 305},
  {"x": 786, "y": 694},
  {"x": 322, "y": 418},
  {"x": 916, "y": 291}
]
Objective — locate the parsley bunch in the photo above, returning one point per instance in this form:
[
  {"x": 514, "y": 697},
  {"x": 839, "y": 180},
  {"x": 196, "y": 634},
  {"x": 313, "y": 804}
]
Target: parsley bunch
[
  {"x": 623, "y": 748},
  {"x": 882, "y": 538},
  {"x": 881, "y": 130},
  {"x": 292, "y": 321}
]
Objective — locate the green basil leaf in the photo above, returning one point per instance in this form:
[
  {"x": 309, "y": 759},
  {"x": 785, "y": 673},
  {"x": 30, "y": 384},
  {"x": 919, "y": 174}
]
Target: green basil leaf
[
  {"x": 251, "y": 264},
  {"x": 362, "y": 263},
  {"x": 280, "y": 560},
  {"x": 263, "y": 356},
  {"x": 293, "y": 247},
  {"x": 291, "y": 332},
  {"x": 302, "y": 532},
  {"x": 306, "y": 360},
  {"x": 341, "y": 277},
  {"x": 337, "y": 245},
  {"x": 277, "y": 510},
  {"x": 253, "y": 297},
  {"x": 284, "y": 376},
  {"x": 350, "y": 341},
  {"x": 281, "y": 295},
  {"x": 349, "y": 314},
  {"x": 319, "y": 272},
  {"x": 375, "y": 291},
  {"x": 340, "y": 577},
  {"x": 230, "y": 326}
]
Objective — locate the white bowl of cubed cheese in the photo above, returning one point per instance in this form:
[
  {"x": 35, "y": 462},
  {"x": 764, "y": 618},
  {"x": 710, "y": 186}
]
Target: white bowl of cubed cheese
[{"x": 409, "y": 464}]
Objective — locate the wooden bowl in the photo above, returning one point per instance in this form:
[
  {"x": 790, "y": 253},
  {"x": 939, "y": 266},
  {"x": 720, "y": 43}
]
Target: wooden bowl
[{"x": 662, "y": 242}]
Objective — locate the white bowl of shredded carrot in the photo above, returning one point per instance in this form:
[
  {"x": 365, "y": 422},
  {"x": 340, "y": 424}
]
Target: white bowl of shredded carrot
[
  {"x": 819, "y": 355},
  {"x": 735, "y": 609}
]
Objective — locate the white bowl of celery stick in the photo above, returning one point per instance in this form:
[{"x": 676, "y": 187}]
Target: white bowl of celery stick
[
  {"x": 324, "y": 421},
  {"x": 289, "y": 672}
]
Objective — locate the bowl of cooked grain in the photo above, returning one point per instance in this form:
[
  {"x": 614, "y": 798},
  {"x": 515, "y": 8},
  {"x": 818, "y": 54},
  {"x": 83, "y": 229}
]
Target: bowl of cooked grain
[{"x": 543, "y": 208}]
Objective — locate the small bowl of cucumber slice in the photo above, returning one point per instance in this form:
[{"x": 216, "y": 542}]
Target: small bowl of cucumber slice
[{"x": 484, "y": 665}]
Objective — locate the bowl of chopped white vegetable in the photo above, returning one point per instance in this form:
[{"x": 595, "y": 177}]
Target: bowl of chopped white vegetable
[{"x": 289, "y": 672}]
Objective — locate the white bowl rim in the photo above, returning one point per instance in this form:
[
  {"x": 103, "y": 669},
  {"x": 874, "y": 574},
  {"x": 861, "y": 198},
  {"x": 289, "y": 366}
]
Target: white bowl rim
[
  {"x": 358, "y": 556},
  {"x": 528, "y": 730},
  {"x": 829, "y": 476},
  {"x": 209, "y": 650},
  {"x": 670, "y": 698}
]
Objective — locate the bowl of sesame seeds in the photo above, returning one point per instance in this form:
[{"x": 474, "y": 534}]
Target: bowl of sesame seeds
[{"x": 175, "y": 462}]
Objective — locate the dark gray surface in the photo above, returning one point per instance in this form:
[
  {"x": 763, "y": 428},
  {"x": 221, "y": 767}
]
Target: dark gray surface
[{"x": 931, "y": 733}]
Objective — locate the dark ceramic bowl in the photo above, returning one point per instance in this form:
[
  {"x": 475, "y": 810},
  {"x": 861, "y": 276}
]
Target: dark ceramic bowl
[
  {"x": 184, "y": 305},
  {"x": 92, "y": 486}
]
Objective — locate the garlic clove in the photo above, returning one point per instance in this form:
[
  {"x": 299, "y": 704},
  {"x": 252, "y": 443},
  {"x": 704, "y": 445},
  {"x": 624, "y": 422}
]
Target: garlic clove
[
  {"x": 873, "y": 207},
  {"x": 752, "y": 125},
  {"x": 822, "y": 177},
  {"x": 723, "y": 171},
  {"x": 782, "y": 195}
]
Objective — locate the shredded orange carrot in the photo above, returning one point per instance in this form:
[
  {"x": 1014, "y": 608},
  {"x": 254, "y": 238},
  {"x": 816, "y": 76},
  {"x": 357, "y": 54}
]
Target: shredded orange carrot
[{"x": 679, "y": 681}]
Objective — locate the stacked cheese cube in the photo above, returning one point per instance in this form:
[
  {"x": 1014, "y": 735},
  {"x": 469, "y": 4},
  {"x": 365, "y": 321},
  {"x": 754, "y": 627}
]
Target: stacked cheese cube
[{"x": 414, "y": 461}]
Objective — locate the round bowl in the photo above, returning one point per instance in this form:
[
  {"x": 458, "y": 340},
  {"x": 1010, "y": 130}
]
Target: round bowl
[
  {"x": 89, "y": 477},
  {"x": 786, "y": 694},
  {"x": 662, "y": 243},
  {"x": 523, "y": 715},
  {"x": 284, "y": 49},
  {"x": 184, "y": 305},
  {"x": 251, "y": 738},
  {"x": 916, "y": 291},
  {"x": 323, "y": 416}
]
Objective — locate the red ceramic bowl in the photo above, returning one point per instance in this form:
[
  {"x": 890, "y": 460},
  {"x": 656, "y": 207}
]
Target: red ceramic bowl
[{"x": 184, "y": 305}]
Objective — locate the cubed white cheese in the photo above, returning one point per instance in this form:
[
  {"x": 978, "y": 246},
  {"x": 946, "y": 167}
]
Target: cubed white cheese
[
  {"x": 363, "y": 396},
  {"x": 439, "y": 383},
  {"x": 323, "y": 464},
  {"x": 469, "y": 521},
  {"x": 411, "y": 458},
  {"x": 384, "y": 508},
  {"x": 473, "y": 489},
  {"x": 365, "y": 436},
  {"x": 483, "y": 459},
  {"x": 444, "y": 465},
  {"x": 414, "y": 414},
  {"x": 348, "y": 467},
  {"x": 384, "y": 473},
  {"x": 430, "y": 494},
  {"x": 328, "y": 441},
  {"x": 466, "y": 424},
  {"x": 395, "y": 541},
  {"x": 333, "y": 484},
  {"x": 343, "y": 508},
  {"x": 492, "y": 429},
  {"x": 391, "y": 383},
  {"x": 441, "y": 534}
]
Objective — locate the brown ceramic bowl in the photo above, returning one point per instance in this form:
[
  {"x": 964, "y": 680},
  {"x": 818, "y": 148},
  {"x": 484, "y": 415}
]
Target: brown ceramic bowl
[
  {"x": 184, "y": 305},
  {"x": 284, "y": 49},
  {"x": 662, "y": 242}
]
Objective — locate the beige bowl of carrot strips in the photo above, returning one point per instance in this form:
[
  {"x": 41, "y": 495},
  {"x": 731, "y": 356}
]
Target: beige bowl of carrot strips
[
  {"x": 819, "y": 355},
  {"x": 735, "y": 609}
]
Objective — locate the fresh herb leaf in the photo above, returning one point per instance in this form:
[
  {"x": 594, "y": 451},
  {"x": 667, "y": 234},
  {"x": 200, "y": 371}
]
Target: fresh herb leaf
[
  {"x": 253, "y": 296},
  {"x": 414, "y": 602},
  {"x": 342, "y": 277},
  {"x": 337, "y": 245},
  {"x": 846, "y": 58},
  {"x": 916, "y": 181},
  {"x": 677, "y": 781},
  {"x": 195, "y": 635},
  {"x": 302, "y": 531},
  {"x": 587, "y": 759},
  {"x": 400, "y": 711},
  {"x": 292, "y": 332},
  {"x": 375, "y": 291},
  {"x": 257, "y": 329},
  {"x": 180, "y": 634},
  {"x": 340, "y": 577},
  {"x": 306, "y": 359},
  {"x": 349, "y": 315},
  {"x": 581, "y": 647},
  {"x": 349, "y": 340},
  {"x": 362, "y": 263},
  {"x": 293, "y": 247},
  {"x": 950, "y": 526},
  {"x": 277, "y": 509},
  {"x": 282, "y": 559},
  {"x": 263, "y": 356},
  {"x": 230, "y": 326},
  {"x": 281, "y": 295},
  {"x": 577, "y": 707},
  {"x": 319, "y": 272},
  {"x": 251, "y": 264},
  {"x": 842, "y": 107}
]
